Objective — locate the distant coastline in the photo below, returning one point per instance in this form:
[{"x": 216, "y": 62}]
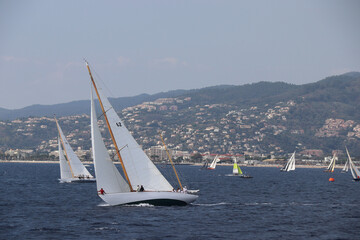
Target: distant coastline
[{"x": 194, "y": 164}]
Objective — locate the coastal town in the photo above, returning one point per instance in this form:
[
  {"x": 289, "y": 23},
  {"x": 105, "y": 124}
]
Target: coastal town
[{"x": 193, "y": 133}]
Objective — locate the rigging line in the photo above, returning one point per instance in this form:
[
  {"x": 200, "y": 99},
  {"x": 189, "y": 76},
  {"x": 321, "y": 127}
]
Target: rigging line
[
  {"x": 123, "y": 147},
  {"x": 102, "y": 81},
  {"x": 104, "y": 113},
  {"x": 172, "y": 164}
]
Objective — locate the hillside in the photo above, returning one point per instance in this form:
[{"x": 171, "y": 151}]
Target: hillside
[
  {"x": 81, "y": 107},
  {"x": 264, "y": 118}
]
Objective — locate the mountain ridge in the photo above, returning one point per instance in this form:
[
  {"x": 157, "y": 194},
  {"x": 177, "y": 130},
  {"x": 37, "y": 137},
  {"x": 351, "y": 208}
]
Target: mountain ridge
[{"x": 233, "y": 94}]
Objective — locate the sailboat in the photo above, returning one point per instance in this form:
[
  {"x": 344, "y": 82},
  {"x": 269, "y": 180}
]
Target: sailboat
[
  {"x": 213, "y": 163},
  {"x": 331, "y": 166},
  {"x": 143, "y": 182},
  {"x": 71, "y": 168},
  {"x": 290, "y": 165},
  {"x": 205, "y": 165},
  {"x": 237, "y": 171},
  {"x": 354, "y": 171},
  {"x": 346, "y": 166}
]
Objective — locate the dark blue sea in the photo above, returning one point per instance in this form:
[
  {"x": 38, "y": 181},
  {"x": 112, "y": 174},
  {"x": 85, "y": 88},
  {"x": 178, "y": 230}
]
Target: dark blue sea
[{"x": 272, "y": 205}]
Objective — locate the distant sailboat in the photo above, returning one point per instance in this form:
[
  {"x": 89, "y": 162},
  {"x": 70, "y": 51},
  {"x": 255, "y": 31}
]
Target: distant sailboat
[
  {"x": 143, "y": 182},
  {"x": 346, "y": 166},
  {"x": 354, "y": 171},
  {"x": 214, "y": 162},
  {"x": 331, "y": 166},
  {"x": 290, "y": 165},
  {"x": 237, "y": 171},
  {"x": 205, "y": 165},
  {"x": 71, "y": 168}
]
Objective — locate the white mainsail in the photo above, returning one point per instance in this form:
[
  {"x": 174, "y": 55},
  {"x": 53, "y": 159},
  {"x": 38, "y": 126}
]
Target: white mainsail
[
  {"x": 331, "y": 166},
  {"x": 107, "y": 175},
  {"x": 140, "y": 169},
  {"x": 346, "y": 166},
  {"x": 290, "y": 165},
  {"x": 65, "y": 172},
  {"x": 76, "y": 166},
  {"x": 354, "y": 171},
  {"x": 214, "y": 162}
]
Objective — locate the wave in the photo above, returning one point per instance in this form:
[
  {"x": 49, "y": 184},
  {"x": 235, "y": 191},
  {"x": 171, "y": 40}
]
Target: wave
[
  {"x": 210, "y": 204},
  {"x": 258, "y": 203},
  {"x": 104, "y": 204},
  {"x": 139, "y": 205}
]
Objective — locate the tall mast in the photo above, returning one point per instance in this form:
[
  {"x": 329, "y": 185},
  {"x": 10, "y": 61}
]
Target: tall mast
[
  {"x": 172, "y": 164},
  {"x": 110, "y": 131},
  {"x": 63, "y": 145}
]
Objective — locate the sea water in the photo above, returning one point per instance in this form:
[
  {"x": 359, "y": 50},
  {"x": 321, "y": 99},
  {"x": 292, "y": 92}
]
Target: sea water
[{"x": 273, "y": 205}]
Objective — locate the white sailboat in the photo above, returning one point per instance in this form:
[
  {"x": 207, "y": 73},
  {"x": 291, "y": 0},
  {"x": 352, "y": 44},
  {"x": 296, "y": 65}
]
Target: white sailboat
[
  {"x": 331, "y": 166},
  {"x": 138, "y": 169},
  {"x": 71, "y": 168},
  {"x": 214, "y": 162},
  {"x": 290, "y": 165},
  {"x": 346, "y": 166},
  {"x": 354, "y": 171}
]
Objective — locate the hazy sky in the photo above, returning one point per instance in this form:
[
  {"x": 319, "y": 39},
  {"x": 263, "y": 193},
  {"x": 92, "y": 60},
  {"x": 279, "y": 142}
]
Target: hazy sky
[{"x": 153, "y": 46}]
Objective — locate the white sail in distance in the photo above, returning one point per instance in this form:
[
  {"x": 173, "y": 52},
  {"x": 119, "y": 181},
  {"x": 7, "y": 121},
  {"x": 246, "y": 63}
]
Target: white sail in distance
[
  {"x": 331, "y": 166},
  {"x": 354, "y": 171},
  {"x": 214, "y": 162},
  {"x": 108, "y": 177},
  {"x": 346, "y": 166},
  {"x": 76, "y": 166},
  {"x": 290, "y": 164},
  {"x": 65, "y": 172}
]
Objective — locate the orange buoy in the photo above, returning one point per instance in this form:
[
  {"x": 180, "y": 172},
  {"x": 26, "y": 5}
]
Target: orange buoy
[{"x": 331, "y": 179}]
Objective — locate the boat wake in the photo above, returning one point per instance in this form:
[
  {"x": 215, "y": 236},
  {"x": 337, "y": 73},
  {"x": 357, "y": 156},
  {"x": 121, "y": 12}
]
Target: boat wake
[
  {"x": 231, "y": 175},
  {"x": 257, "y": 203},
  {"x": 209, "y": 204},
  {"x": 139, "y": 205},
  {"x": 104, "y": 204}
]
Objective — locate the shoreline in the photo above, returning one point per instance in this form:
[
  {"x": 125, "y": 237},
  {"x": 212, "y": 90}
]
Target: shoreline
[{"x": 193, "y": 164}]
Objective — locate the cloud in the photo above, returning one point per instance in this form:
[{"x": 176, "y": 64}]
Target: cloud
[
  {"x": 167, "y": 62},
  {"x": 13, "y": 59},
  {"x": 123, "y": 61}
]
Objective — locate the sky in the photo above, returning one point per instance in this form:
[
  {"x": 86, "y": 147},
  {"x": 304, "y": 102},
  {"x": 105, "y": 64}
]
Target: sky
[{"x": 147, "y": 46}]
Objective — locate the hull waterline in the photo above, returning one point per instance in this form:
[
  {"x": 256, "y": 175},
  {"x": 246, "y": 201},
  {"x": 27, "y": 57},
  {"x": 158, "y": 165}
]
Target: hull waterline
[
  {"x": 77, "y": 180},
  {"x": 153, "y": 198}
]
